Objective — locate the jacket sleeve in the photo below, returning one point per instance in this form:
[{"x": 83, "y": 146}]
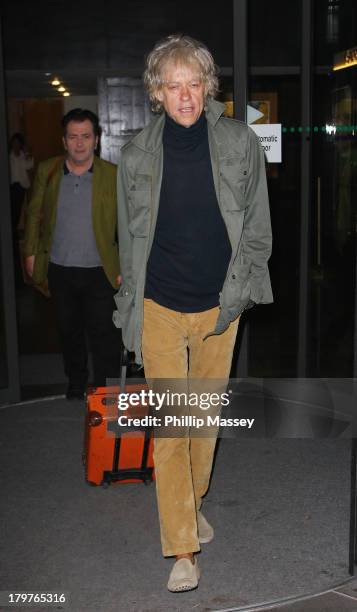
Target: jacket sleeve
[
  {"x": 125, "y": 239},
  {"x": 257, "y": 235},
  {"x": 34, "y": 213}
]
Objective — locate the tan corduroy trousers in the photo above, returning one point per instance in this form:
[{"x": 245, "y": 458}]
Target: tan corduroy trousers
[{"x": 174, "y": 348}]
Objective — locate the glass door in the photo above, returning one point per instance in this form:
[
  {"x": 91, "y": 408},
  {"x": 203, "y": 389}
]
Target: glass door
[
  {"x": 274, "y": 93},
  {"x": 313, "y": 191},
  {"x": 334, "y": 192}
]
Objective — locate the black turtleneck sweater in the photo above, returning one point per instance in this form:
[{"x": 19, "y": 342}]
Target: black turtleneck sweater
[{"x": 190, "y": 253}]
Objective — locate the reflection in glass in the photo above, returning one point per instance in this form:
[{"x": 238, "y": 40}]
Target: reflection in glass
[{"x": 334, "y": 219}]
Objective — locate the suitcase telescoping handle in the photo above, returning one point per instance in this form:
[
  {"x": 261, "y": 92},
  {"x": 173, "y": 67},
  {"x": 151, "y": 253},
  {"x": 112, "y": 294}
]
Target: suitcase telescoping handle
[{"x": 124, "y": 362}]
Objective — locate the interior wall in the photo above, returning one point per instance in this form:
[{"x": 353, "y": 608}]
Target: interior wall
[
  {"x": 39, "y": 120},
  {"x": 42, "y": 127},
  {"x": 15, "y": 112},
  {"x": 87, "y": 102}
]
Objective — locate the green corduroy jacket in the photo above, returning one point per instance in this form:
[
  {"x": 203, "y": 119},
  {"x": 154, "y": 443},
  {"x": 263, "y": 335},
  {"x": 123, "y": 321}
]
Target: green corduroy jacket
[{"x": 42, "y": 210}]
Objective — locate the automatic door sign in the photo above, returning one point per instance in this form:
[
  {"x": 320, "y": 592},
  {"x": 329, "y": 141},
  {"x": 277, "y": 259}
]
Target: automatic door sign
[{"x": 269, "y": 135}]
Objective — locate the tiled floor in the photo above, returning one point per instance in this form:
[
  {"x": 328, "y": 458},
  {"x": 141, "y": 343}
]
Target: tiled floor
[
  {"x": 337, "y": 600},
  {"x": 333, "y": 601}
]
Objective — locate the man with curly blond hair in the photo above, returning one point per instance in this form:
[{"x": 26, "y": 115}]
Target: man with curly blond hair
[{"x": 195, "y": 238}]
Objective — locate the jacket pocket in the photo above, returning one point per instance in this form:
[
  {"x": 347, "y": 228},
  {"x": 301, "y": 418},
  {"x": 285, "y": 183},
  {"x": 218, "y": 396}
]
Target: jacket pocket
[
  {"x": 141, "y": 182},
  {"x": 233, "y": 181}
]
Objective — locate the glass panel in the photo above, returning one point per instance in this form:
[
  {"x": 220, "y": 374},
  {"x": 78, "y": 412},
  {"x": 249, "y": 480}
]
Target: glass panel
[
  {"x": 207, "y": 21},
  {"x": 273, "y": 329},
  {"x": 274, "y": 33},
  {"x": 275, "y": 41},
  {"x": 3, "y": 357},
  {"x": 335, "y": 28},
  {"x": 334, "y": 202}
]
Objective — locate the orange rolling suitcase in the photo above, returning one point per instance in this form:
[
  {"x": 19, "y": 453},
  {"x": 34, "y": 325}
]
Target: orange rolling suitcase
[{"x": 113, "y": 453}]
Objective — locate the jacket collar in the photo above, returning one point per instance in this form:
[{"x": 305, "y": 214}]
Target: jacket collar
[
  {"x": 67, "y": 171},
  {"x": 150, "y": 138},
  {"x": 214, "y": 110},
  {"x": 56, "y": 174},
  {"x": 61, "y": 167}
]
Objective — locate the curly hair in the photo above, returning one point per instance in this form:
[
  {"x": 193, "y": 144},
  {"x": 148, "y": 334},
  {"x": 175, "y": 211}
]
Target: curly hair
[{"x": 178, "y": 49}]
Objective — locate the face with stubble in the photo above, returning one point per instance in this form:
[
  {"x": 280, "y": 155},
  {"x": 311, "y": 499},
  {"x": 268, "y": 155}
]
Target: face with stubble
[{"x": 80, "y": 142}]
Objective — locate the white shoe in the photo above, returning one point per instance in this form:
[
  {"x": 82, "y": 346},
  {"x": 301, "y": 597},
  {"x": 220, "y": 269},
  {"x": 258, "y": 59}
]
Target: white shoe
[
  {"x": 205, "y": 530},
  {"x": 184, "y": 576}
]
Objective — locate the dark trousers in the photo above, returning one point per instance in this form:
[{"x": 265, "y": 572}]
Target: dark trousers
[{"x": 84, "y": 306}]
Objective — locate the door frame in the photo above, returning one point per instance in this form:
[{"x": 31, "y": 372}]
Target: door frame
[{"x": 11, "y": 393}]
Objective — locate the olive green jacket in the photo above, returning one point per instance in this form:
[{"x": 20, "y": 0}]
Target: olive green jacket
[
  {"x": 41, "y": 216},
  {"x": 238, "y": 167}
]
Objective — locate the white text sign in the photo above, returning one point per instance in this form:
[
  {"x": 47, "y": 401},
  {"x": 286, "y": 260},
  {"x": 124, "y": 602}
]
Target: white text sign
[{"x": 269, "y": 135}]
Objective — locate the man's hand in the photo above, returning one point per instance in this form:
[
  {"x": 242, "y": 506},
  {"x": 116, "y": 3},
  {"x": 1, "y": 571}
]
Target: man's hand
[
  {"x": 29, "y": 264},
  {"x": 119, "y": 280}
]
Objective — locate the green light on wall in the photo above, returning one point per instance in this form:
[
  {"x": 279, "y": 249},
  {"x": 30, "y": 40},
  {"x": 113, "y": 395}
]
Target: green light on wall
[{"x": 347, "y": 129}]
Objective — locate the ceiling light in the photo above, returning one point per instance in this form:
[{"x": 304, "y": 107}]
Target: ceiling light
[
  {"x": 61, "y": 89},
  {"x": 66, "y": 94},
  {"x": 56, "y": 82}
]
